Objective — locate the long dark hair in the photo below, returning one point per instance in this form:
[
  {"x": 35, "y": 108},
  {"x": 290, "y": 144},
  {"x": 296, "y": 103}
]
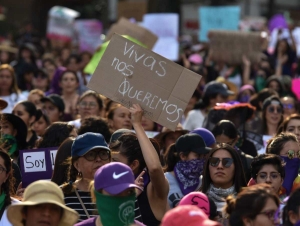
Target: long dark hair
[
  {"x": 293, "y": 204},
  {"x": 8, "y": 186},
  {"x": 171, "y": 157},
  {"x": 30, "y": 108},
  {"x": 249, "y": 203},
  {"x": 60, "y": 172},
  {"x": 239, "y": 175},
  {"x": 265, "y": 106},
  {"x": 55, "y": 134},
  {"x": 129, "y": 146}
]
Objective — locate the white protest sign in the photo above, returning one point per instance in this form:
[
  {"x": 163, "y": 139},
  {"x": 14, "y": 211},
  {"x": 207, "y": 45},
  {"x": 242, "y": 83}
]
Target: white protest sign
[
  {"x": 34, "y": 161},
  {"x": 166, "y": 27},
  {"x": 60, "y": 23},
  {"x": 53, "y": 156}
]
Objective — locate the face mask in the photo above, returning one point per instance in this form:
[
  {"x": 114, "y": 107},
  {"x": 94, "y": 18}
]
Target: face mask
[
  {"x": 115, "y": 210},
  {"x": 260, "y": 83},
  {"x": 10, "y": 143},
  {"x": 291, "y": 172},
  {"x": 245, "y": 99},
  {"x": 188, "y": 174}
]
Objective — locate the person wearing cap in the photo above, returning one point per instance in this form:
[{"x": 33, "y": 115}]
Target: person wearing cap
[
  {"x": 203, "y": 202},
  {"x": 54, "y": 107},
  {"x": 43, "y": 204},
  {"x": 141, "y": 154},
  {"x": 167, "y": 137},
  {"x": 9, "y": 90},
  {"x": 187, "y": 215},
  {"x": 114, "y": 193},
  {"x": 184, "y": 166},
  {"x": 88, "y": 153},
  {"x": 208, "y": 137},
  {"x": 214, "y": 92}
]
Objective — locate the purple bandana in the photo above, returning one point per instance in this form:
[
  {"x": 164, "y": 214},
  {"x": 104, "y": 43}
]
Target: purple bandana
[
  {"x": 188, "y": 174},
  {"x": 291, "y": 172}
]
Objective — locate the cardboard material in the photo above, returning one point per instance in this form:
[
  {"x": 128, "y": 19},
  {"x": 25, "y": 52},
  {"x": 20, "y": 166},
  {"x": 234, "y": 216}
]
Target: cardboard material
[
  {"x": 230, "y": 46},
  {"x": 132, "y": 9},
  {"x": 37, "y": 164},
  {"x": 128, "y": 73},
  {"x": 125, "y": 27}
]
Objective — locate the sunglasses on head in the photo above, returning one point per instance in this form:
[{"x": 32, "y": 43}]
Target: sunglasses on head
[
  {"x": 291, "y": 154},
  {"x": 226, "y": 162},
  {"x": 273, "y": 109}
]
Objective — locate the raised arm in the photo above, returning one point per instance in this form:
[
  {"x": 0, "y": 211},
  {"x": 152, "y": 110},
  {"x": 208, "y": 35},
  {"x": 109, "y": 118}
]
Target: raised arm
[{"x": 158, "y": 180}]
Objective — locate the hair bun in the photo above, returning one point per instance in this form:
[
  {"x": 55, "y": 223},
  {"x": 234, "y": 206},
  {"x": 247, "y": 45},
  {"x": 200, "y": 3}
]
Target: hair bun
[{"x": 230, "y": 207}]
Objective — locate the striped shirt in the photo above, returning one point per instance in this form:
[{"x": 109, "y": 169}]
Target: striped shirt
[{"x": 73, "y": 202}]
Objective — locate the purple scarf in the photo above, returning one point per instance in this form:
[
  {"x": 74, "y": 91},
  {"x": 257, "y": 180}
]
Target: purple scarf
[
  {"x": 188, "y": 174},
  {"x": 291, "y": 172}
]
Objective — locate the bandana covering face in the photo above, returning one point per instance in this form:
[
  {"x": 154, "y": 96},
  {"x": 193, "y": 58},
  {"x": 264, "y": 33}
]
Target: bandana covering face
[
  {"x": 188, "y": 174},
  {"x": 291, "y": 172},
  {"x": 2, "y": 198},
  {"x": 10, "y": 143},
  {"x": 115, "y": 210}
]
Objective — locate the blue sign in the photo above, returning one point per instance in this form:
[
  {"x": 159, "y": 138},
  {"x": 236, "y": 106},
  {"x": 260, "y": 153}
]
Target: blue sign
[{"x": 218, "y": 18}]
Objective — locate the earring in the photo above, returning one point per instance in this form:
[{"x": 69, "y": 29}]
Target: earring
[{"x": 79, "y": 174}]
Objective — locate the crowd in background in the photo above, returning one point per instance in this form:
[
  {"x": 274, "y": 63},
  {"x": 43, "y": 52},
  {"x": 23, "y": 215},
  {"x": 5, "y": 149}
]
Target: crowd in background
[{"x": 233, "y": 159}]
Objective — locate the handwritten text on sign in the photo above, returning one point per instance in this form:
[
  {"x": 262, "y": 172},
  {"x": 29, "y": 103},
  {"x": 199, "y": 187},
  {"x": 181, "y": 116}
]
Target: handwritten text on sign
[
  {"x": 129, "y": 73},
  {"x": 34, "y": 161}
]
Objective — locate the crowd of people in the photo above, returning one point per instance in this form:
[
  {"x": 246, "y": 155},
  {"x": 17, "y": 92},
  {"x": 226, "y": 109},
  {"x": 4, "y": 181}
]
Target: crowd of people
[{"x": 233, "y": 159}]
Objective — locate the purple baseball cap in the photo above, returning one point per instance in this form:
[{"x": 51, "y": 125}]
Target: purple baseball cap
[{"x": 114, "y": 178}]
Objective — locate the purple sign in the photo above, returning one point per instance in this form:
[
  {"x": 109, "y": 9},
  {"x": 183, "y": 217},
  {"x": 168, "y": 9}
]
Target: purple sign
[
  {"x": 37, "y": 164},
  {"x": 277, "y": 21}
]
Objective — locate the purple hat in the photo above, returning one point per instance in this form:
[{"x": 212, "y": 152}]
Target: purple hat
[
  {"x": 114, "y": 178},
  {"x": 207, "y": 136}
]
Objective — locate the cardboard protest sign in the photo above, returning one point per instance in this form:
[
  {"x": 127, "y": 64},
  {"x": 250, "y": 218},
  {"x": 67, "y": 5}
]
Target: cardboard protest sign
[
  {"x": 125, "y": 27},
  {"x": 37, "y": 164},
  {"x": 132, "y": 9},
  {"x": 60, "y": 23},
  {"x": 128, "y": 73},
  {"x": 230, "y": 46},
  {"x": 166, "y": 27},
  {"x": 218, "y": 18},
  {"x": 88, "y": 32}
]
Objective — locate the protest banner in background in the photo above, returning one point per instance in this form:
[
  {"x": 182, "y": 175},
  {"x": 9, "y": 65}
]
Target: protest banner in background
[
  {"x": 218, "y": 18},
  {"x": 230, "y": 46},
  {"x": 125, "y": 27},
  {"x": 166, "y": 27},
  {"x": 296, "y": 87},
  {"x": 128, "y": 73},
  {"x": 132, "y": 9},
  {"x": 60, "y": 23},
  {"x": 37, "y": 164},
  {"x": 88, "y": 33}
]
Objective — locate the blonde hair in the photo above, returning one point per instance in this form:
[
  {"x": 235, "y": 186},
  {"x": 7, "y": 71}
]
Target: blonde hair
[{"x": 14, "y": 86}]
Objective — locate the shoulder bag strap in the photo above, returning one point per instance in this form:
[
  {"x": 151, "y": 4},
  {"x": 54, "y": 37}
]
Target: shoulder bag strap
[{"x": 83, "y": 206}]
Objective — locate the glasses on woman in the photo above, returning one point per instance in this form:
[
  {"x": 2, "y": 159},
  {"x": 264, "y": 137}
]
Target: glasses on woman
[
  {"x": 273, "y": 215},
  {"x": 84, "y": 104},
  {"x": 288, "y": 106},
  {"x": 275, "y": 109},
  {"x": 226, "y": 162},
  {"x": 264, "y": 176},
  {"x": 92, "y": 155}
]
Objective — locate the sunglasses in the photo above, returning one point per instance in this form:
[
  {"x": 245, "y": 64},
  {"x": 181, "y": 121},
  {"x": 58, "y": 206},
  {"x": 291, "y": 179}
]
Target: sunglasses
[
  {"x": 288, "y": 106},
  {"x": 273, "y": 109},
  {"x": 226, "y": 162},
  {"x": 92, "y": 155},
  {"x": 291, "y": 154}
]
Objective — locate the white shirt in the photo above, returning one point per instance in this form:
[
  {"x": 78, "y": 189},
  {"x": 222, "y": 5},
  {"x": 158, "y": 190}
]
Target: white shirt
[
  {"x": 12, "y": 100},
  {"x": 194, "y": 120},
  {"x": 4, "y": 220}
]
